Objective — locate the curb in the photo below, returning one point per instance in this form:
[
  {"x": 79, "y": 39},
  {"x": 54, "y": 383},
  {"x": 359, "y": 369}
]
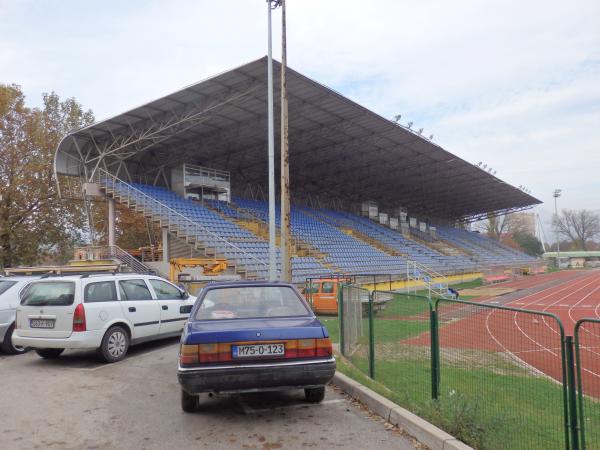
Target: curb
[{"x": 423, "y": 431}]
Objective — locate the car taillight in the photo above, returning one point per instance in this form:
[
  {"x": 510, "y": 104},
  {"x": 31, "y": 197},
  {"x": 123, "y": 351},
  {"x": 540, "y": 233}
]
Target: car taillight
[
  {"x": 16, "y": 319},
  {"x": 188, "y": 354},
  {"x": 79, "y": 318},
  {"x": 214, "y": 352},
  {"x": 306, "y": 348},
  {"x": 221, "y": 352},
  {"x": 324, "y": 347}
]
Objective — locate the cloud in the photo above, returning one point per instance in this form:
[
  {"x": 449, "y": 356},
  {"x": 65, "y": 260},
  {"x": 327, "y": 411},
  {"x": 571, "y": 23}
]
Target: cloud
[{"x": 515, "y": 84}]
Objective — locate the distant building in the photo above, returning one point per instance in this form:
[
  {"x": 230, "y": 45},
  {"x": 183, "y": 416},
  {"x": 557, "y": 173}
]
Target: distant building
[
  {"x": 522, "y": 222},
  {"x": 575, "y": 260}
]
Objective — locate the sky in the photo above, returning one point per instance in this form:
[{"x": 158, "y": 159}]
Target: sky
[{"x": 513, "y": 84}]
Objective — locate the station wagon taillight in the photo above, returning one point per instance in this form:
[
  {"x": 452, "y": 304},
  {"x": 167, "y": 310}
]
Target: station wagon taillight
[{"x": 79, "y": 318}]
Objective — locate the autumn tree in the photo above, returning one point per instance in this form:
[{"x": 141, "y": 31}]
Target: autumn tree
[
  {"x": 34, "y": 221},
  {"x": 579, "y": 226},
  {"x": 528, "y": 243}
]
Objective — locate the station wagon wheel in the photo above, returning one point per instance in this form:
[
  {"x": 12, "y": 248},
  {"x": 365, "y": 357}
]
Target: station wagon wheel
[
  {"x": 115, "y": 344},
  {"x": 8, "y": 346},
  {"x": 315, "y": 395},
  {"x": 189, "y": 403}
]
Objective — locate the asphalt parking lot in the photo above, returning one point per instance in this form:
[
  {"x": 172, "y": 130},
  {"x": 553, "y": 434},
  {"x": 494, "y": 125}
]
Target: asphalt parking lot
[{"x": 76, "y": 402}]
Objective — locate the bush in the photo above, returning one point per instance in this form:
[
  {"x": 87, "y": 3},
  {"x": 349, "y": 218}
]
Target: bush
[{"x": 463, "y": 417}]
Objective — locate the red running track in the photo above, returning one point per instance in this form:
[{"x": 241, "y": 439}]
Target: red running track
[{"x": 533, "y": 338}]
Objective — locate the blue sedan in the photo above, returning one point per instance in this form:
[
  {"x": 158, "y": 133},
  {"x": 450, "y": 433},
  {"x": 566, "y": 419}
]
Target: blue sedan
[{"x": 251, "y": 337}]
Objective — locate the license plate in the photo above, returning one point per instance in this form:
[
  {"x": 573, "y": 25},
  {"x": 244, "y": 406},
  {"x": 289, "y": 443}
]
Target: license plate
[
  {"x": 257, "y": 350},
  {"x": 41, "y": 323}
]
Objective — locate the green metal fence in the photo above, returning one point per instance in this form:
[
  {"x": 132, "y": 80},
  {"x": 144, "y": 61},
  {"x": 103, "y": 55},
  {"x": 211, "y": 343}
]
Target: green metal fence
[
  {"x": 507, "y": 366},
  {"x": 494, "y": 376},
  {"x": 355, "y": 326},
  {"x": 587, "y": 351}
]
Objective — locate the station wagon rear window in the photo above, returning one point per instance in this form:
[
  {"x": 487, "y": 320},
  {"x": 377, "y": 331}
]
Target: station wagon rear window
[
  {"x": 243, "y": 302},
  {"x": 49, "y": 293}
]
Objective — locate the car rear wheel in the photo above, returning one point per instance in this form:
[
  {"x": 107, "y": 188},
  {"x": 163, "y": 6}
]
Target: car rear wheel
[
  {"x": 115, "y": 344},
  {"x": 49, "y": 353},
  {"x": 189, "y": 403},
  {"x": 7, "y": 345},
  {"x": 315, "y": 395}
]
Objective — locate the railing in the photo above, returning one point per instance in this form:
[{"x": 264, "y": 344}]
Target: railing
[
  {"x": 123, "y": 256},
  {"x": 114, "y": 252},
  {"x": 166, "y": 213}
]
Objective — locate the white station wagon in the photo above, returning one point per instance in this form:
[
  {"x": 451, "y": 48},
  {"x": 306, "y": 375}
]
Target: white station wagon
[{"x": 103, "y": 312}]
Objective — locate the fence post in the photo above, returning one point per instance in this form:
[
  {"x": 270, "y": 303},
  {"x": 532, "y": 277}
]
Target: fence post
[
  {"x": 371, "y": 338},
  {"x": 435, "y": 353},
  {"x": 579, "y": 383},
  {"x": 572, "y": 398},
  {"x": 341, "y": 315}
]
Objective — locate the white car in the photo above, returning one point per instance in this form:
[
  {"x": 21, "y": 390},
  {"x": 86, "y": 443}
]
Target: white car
[
  {"x": 103, "y": 312},
  {"x": 10, "y": 288}
]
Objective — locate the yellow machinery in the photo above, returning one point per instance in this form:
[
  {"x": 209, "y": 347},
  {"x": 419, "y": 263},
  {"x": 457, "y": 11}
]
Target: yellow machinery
[{"x": 210, "y": 267}]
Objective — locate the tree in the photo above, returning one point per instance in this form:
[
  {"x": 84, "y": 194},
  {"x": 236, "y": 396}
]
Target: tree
[
  {"x": 579, "y": 226},
  {"x": 34, "y": 221},
  {"x": 528, "y": 243},
  {"x": 495, "y": 226}
]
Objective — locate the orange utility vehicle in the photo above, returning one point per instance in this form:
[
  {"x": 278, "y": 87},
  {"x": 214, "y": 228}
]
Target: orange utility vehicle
[{"x": 322, "y": 294}]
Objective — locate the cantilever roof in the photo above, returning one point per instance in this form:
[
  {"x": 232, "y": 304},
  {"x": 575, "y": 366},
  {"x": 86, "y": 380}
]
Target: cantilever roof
[{"x": 338, "y": 148}]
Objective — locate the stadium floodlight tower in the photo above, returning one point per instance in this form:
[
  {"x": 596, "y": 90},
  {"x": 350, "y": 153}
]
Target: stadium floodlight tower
[{"x": 556, "y": 194}]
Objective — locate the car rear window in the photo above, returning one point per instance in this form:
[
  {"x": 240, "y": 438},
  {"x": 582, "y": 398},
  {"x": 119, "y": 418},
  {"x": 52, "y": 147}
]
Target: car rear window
[
  {"x": 244, "y": 302},
  {"x": 102, "y": 291},
  {"x": 49, "y": 293},
  {"x": 6, "y": 285}
]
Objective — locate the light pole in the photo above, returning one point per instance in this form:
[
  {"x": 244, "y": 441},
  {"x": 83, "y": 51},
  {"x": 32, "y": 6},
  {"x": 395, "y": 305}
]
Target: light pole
[
  {"x": 556, "y": 194},
  {"x": 271, "y": 4},
  {"x": 285, "y": 234}
]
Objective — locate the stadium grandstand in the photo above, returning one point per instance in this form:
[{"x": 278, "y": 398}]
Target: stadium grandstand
[{"x": 368, "y": 195}]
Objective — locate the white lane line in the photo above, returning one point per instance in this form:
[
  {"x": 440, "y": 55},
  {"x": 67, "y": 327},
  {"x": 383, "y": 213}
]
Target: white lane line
[{"x": 249, "y": 410}]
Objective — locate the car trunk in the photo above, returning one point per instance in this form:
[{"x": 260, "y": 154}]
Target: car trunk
[
  {"x": 237, "y": 330},
  {"x": 32, "y": 318}
]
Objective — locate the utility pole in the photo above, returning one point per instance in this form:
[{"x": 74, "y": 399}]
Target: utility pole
[
  {"x": 556, "y": 194},
  {"x": 271, "y": 4},
  {"x": 286, "y": 266}
]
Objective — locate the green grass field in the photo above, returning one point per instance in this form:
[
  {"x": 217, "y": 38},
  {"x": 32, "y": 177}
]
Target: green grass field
[
  {"x": 486, "y": 399},
  {"x": 484, "y": 409},
  {"x": 385, "y": 330}
]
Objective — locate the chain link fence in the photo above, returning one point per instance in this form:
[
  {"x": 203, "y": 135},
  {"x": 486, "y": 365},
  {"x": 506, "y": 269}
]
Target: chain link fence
[
  {"x": 495, "y": 377},
  {"x": 355, "y": 326},
  {"x": 505, "y": 368},
  {"x": 587, "y": 348}
]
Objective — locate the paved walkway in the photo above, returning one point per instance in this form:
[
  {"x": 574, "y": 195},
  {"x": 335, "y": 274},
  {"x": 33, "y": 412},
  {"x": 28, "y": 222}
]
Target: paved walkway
[{"x": 75, "y": 402}]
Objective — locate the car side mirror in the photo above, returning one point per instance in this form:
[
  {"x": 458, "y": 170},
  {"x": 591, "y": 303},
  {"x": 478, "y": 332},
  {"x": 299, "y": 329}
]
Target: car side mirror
[
  {"x": 184, "y": 295},
  {"x": 186, "y": 309}
]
